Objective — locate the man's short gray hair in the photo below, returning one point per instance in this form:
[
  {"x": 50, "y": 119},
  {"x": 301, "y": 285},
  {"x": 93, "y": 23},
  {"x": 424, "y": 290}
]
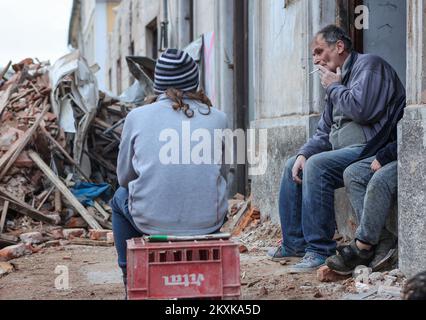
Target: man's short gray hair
[{"x": 333, "y": 33}]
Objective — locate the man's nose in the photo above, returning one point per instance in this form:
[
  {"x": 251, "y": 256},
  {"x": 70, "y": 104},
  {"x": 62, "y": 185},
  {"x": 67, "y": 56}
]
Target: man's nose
[{"x": 316, "y": 61}]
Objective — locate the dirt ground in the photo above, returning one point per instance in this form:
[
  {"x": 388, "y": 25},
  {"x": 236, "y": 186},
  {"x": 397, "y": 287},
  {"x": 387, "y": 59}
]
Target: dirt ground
[{"x": 94, "y": 275}]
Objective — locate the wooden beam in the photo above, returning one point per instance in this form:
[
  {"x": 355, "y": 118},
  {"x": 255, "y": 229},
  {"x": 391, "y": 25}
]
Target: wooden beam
[
  {"x": 93, "y": 243},
  {"x": 58, "y": 201},
  {"x": 3, "y": 215},
  {"x": 64, "y": 190},
  {"x": 101, "y": 210},
  {"x": 45, "y": 198},
  {"x": 20, "y": 144},
  {"x": 5, "y": 69},
  {"x": 24, "y": 208},
  {"x": 65, "y": 153}
]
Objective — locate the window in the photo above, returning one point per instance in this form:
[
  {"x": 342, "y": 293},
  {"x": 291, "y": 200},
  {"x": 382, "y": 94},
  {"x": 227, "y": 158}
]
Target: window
[{"x": 151, "y": 32}]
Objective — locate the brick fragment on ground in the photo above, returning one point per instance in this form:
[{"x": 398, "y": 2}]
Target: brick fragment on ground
[
  {"x": 110, "y": 237},
  {"x": 98, "y": 235},
  {"x": 243, "y": 248},
  {"x": 31, "y": 238},
  {"x": 325, "y": 274},
  {"x": 13, "y": 252},
  {"x": 74, "y": 233},
  {"x": 5, "y": 268}
]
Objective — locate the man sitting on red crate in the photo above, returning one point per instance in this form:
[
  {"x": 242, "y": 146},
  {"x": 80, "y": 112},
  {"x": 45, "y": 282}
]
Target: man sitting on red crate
[{"x": 164, "y": 189}]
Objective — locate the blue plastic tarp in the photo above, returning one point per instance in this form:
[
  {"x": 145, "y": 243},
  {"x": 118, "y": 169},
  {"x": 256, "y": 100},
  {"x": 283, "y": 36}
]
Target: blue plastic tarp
[{"x": 86, "y": 192}]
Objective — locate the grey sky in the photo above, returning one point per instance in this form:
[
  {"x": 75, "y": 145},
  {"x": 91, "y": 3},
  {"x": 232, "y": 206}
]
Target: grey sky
[{"x": 34, "y": 29}]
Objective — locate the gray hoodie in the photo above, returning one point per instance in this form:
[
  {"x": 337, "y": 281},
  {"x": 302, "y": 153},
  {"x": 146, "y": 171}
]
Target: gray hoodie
[{"x": 180, "y": 198}]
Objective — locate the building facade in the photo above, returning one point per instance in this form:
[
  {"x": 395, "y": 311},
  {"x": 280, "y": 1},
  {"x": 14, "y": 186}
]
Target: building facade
[{"x": 90, "y": 25}]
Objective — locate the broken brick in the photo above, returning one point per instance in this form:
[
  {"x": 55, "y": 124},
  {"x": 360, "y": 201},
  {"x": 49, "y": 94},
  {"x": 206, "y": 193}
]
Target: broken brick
[
  {"x": 5, "y": 268},
  {"x": 74, "y": 233},
  {"x": 31, "y": 238},
  {"x": 243, "y": 248},
  {"x": 57, "y": 234},
  {"x": 110, "y": 237},
  {"x": 76, "y": 222},
  {"x": 325, "y": 274},
  {"x": 98, "y": 235},
  {"x": 13, "y": 252}
]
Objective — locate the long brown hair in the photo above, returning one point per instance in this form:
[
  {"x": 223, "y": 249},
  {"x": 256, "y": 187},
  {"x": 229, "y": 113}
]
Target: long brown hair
[{"x": 177, "y": 97}]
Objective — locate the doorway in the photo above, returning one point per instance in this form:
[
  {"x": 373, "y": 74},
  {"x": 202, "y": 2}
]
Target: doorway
[{"x": 385, "y": 33}]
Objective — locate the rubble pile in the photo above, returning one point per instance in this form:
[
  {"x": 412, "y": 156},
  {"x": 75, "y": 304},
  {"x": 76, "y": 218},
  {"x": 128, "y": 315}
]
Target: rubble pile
[
  {"x": 59, "y": 135},
  {"x": 104, "y": 139}
]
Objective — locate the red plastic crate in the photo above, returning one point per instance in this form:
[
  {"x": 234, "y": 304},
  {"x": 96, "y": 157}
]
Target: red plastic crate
[{"x": 183, "y": 270}]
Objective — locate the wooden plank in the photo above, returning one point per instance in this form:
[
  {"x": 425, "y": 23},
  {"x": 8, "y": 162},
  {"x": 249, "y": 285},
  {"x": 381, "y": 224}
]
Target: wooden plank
[
  {"x": 86, "y": 242},
  {"x": 23, "y": 208},
  {"x": 58, "y": 201},
  {"x": 101, "y": 210},
  {"x": 64, "y": 190},
  {"x": 3, "y": 215},
  {"x": 21, "y": 143},
  {"x": 65, "y": 153},
  {"x": 45, "y": 198},
  {"x": 107, "y": 126}
]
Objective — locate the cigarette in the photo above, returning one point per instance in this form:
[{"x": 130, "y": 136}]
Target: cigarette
[{"x": 314, "y": 71}]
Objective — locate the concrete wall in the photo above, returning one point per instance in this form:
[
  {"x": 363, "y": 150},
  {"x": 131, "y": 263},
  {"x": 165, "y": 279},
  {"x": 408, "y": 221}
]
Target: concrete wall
[
  {"x": 412, "y": 149},
  {"x": 283, "y": 98},
  {"x": 204, "y": 13}
]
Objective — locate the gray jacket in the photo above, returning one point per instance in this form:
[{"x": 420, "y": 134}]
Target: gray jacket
[
  {"x": 175, "y": 198},
  {"x": 370, "y": 95}
]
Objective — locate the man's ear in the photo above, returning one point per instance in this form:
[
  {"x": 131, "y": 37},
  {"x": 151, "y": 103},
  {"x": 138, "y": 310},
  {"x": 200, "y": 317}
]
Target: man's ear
[{"x": 340, "y": 45}]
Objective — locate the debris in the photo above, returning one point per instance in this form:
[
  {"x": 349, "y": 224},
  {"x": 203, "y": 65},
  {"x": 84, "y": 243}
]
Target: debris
[
  {"x": 6, "y": 268},
  {"x": 263, "y": 291},
  {"x": 389, "y": 291},
  {"x": 110, "y": 237},
  {"x": 251, "y": 284},
  {"x": 361, "y": 274},
  {"x": 13, "y": 252},
  {"x": 390, "y": 280},
  {"x": 397, "y": 273},
  {"x": 243, "y": 248},
  {"x": 98, "y": 235},
  {"x": 376, "y": 277},
  {"x": 3, "y": 215},
  {"x": 362, "y": 287},
  {"x": 325, "y": 274},
  {"x": 73, "y": 233},
  {"x": 52, "y": 243},
  {"x": 86, "y": 242},
  {"x": 31, "y": 238},
  {"x": 76, "y": 222}
]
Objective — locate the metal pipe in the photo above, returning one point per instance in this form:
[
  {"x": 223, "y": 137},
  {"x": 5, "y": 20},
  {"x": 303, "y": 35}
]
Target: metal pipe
[{"x": 166, "y": 23}]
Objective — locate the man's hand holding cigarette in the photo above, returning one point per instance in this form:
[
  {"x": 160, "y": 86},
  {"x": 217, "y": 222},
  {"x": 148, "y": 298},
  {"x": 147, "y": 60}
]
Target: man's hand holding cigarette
[{"x": 328, "y": 77}]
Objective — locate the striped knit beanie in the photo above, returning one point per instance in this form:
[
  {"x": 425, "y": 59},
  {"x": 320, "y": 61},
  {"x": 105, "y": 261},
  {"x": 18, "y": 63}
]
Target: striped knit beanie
[{"x": 175, "y": 69}]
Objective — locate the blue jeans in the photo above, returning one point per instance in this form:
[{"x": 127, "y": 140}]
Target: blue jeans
[
  {"x": 123, "y": 226},
  {"x": 307, "y": 211}
]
